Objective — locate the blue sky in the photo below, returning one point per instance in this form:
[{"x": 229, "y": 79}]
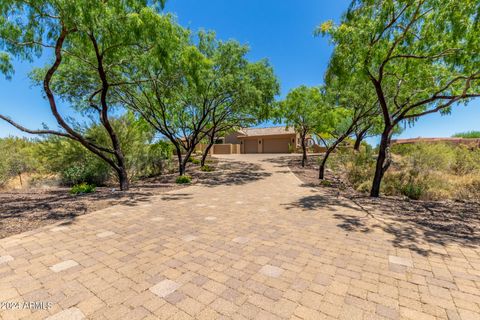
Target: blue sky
[{"x": 279, "y": 30}]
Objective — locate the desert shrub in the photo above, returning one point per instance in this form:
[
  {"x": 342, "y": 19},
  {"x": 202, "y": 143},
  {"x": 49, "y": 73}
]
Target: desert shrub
[
  {"x": 85, "y": 172},
  {"x": 467, "y": 160},
  {"x": 145, "y": 155},
  {"x": 357, "y": 166},
  {"x": 195, "y": 161},
  {"x": 426, "y": 156},
  {"x": 83, "y": 188},
  {"x": 207, "y": 168},
  {"x": 468, "y": 134},
  {"x": 418, "y": 171},
  {"x": 183, "y": 179},
  {"x": 151, "y": 160},
  {"x": 17, "y": 158},
  {"x": 72, "y": 162},
  {"x": 413, "y": 191},
  {"x": 432, "y": 171}
]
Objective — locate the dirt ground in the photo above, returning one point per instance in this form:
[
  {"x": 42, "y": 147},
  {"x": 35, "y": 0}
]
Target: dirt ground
[
  {"x": 457, "y": 221},
  {"x": 24, "y": 210}
]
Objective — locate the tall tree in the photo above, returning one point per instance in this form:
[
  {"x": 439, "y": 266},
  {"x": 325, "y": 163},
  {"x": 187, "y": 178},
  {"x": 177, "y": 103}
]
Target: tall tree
[
  {"x": 420, "y": 57},
  {"x": 303, "y": 109},
  {"x": 240, "y": 92},
  {"x": 170, "y": 100},
  {"x": 90, "y": 41},
  {"x": 208, "y": 88},
  {"x": 351, "y": 105}
]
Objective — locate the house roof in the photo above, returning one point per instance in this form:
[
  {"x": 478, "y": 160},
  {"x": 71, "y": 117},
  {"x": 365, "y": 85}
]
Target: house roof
[{"x": 253, "y": 132}]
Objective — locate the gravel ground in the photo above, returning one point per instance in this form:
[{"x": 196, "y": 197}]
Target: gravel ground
[{"x": 24, "y": 210}]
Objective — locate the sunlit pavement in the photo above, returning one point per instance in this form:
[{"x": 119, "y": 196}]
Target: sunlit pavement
[{"x": 259, "y": 245}]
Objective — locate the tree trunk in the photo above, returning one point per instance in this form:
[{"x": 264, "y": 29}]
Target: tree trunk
[
  {"x": 359, "y": 138},
  {"x": 123, "y": 179},
  {"x": 321, "y": 170},
  {"x": 358, "y": 143},
  {"x": 181, "y": 164},
  {"x": 20, "y": 177},
  {"x": 382, "y": 162},
  {"x": 207, "y": 150},
  {"x": 304, "y": 151}
]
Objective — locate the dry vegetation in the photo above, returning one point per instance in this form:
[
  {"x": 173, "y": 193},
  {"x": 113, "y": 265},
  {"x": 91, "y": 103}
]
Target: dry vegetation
[{"x": 448, "y": 204}]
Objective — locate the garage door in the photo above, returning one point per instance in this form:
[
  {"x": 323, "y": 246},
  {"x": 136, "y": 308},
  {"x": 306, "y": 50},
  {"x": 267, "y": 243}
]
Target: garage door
[
  {"x": 250, "y": 146},
  {"x": 279, "y": 145}
]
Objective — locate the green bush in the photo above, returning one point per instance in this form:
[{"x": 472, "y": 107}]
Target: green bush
[
  {"x": 92, "y": 172},
  {"x": 83, "y": 188},
  {"x": 418, "y": 171},
  {"x": 413, "y": 191},
  {"x": 468, "y": 134},
  {"x": 183, "y": 179},
  {"x": 144, "y": 155},
  {"x": 195, "y": 161},
  {"x": 16, "y": 158},
  {"x": 207, "y": 168},
  {"x": 466, "y": 160}
]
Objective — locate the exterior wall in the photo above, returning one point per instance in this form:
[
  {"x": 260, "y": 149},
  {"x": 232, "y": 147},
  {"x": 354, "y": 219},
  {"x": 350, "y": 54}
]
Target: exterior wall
[
  {"x": 249, "y": 141},
  {"x": 235, "y": 148},
  {"x": 227, "y": 148},
  {"x": 233, "y": 138},
  {"x": 221, "y": 149},
  {"x": 260, "y": 140},
  {"x": 277, "y": 145}
]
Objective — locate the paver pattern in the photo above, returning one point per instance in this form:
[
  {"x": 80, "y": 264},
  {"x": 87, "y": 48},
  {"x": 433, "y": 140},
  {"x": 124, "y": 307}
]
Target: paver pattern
[{"x": 266, "y": 255}]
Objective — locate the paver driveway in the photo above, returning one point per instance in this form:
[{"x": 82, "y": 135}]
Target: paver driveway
[{"x": 252, "y": 248}]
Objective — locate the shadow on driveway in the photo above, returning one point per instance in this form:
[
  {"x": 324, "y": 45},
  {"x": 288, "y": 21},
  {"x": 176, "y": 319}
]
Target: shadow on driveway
[
  {"x": 414, "y": 225},
  {"x": 229, "y": 173}
]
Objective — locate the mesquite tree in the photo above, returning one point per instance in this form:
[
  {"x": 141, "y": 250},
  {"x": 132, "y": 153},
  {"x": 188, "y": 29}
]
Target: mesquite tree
[
  {"x": 89, "y": 41},
  {"x": 304, "y": 110},
  {"x": 166, "y": 91},
  {"x": 240, "y": 92},
  {"x": 207, "y": 88},
  {"x": 351, "y": 106},
  {"x": 420, "y": 57}
]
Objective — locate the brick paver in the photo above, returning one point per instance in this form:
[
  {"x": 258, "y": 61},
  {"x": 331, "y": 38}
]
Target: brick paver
[{"x": 251, "y": 247}]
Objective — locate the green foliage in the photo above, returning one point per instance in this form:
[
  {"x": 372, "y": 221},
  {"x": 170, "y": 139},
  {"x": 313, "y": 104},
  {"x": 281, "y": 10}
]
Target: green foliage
[
  {"x": 83, "y": 188},
  {"x": 144, "y": 155},
  {"x": 413, "y": 191},
  {"x": 419, "y": 57},
  {"x": 419, "y": 171},
  {"x": 357, "y": 167},
  {"x": 16, "y": 159},
  {"x": 468, "y": 135},
  {"x": 72, "y": 161},
  {"x": 194, "y": 161},
  {"x": 207, "y": 168},
  {"x": 184, "y": 179},
  {"x": 204, "y": 87},
  {"x": 95, "y": 55}
]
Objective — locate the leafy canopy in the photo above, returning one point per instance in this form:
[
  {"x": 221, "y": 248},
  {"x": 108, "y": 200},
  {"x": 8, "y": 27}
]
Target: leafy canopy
[{"x": 420, "y": 55}]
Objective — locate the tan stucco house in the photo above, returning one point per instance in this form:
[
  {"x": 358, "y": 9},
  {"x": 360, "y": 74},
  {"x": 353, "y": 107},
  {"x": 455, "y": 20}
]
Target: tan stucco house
[{"x": 264, "y": 140}]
